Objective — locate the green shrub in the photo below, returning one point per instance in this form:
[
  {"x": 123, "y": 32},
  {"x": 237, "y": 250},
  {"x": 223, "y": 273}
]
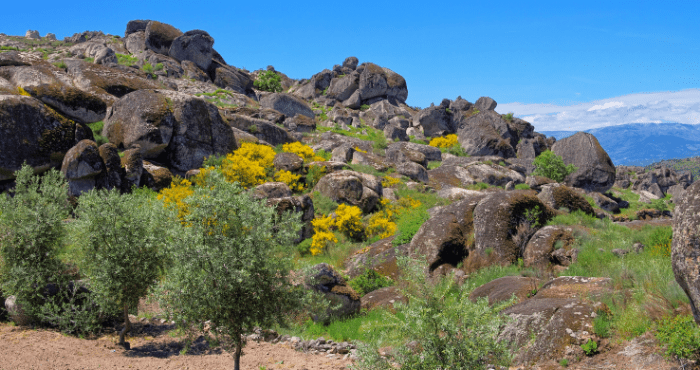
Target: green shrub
[
  {"x": 322, "y": 204},
  {"x": 324, "y": 154},
  {"x": 434, "y": 164},
  {"x": 158, "y": 67},
  {"x": 370, "y": 280},
  {"x": 238, "y": 279},
  {"x": 122, "y": 241},
  {"x": 508, "y": 117},
  {"x": 552, "y": 166},
  {"x": 590, "y": 347},
  {"x": 304, "y": 248},
  {"x": 440, "y": 328},
  {"x": 96, "y": 128},
  {"x": 61, "y": 65},
  {"x": 31, "y": 236},
  {"x": 680, "y": 335},
  {"x": 314, "y": 175},
  {"x": 364, "y": 107},
  {"x": 126, "y": 60},
  {"x": 213, "y": 161},
  {"x": 268, "y": 81},
  {"x": 522, "y": 187},
  {"x": 601, "y": 324},
  {"x": 408, "y": 223},
  {"x": 564, "y": 362},
  {"x": 148, "y": 68}
]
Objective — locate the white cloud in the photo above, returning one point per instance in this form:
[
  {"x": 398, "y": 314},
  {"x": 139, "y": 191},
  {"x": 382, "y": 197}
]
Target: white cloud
[
  {"x": 613, "y": 104},
  {"x": 678, "y": 106}
]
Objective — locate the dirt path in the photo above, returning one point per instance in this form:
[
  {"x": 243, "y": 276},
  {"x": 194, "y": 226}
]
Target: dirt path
[{"x": 25, "y": 348}]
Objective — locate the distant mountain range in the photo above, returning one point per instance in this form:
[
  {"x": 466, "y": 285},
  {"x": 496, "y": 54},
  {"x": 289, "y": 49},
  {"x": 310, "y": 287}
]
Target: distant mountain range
[{"x": 641, "y": 144}]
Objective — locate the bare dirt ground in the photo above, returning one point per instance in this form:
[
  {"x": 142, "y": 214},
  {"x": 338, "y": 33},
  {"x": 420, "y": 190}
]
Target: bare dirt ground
[{"x": 152, "y": 347}]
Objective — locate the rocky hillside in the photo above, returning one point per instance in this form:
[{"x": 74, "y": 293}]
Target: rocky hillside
[{"x": 158, "y": 104}]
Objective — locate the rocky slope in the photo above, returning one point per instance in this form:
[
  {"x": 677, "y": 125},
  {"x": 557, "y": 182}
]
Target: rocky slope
[{"x": 166, "y": 100}]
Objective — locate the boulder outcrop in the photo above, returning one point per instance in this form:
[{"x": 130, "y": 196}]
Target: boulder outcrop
[{"x": 595, "y": 170}]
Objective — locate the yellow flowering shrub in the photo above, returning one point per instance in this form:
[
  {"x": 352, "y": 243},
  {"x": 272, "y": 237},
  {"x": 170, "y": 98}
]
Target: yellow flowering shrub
[
  {"x": 240, "y": 168},
  {"x": 262, "y": 154},
  {"x": 444, "y": 142},
  {"x": 357, "y": 149},
  {"x": 380, "y": 225},
  {"x": 174, "y": 195},
  {"x": 318, "y": 159},
  {"x": 290, "y": 179},
  {"x": 349, "y": 220},
  {"x": 322, "y": 235},
  {"x": 383, "y": 223},
  {"x": 389, "y": 181},
  {"x": 23, "y": 92},
  {"x": 304, "y": 151}
]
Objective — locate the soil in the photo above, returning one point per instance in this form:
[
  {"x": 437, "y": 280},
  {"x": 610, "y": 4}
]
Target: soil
[{"x": 152, "y": 347}]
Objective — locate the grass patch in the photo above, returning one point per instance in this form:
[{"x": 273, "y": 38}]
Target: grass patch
[
  {"x": 126, "y": 60},
  {"x": 96, "y": 128}
]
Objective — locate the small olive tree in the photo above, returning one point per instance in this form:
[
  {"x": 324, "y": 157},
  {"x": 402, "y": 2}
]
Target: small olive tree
[
  {"x": 552, "y": 166},
  {"x": 122, "y": 240},
  {"x": 31, "y": 232},
  {"x": 230, "y": 268}
]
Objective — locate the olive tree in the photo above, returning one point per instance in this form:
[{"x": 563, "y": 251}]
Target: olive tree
[
  {"x": 229, "y": 268},
  {"x": 31, "y": 234},
  {"x": 122, "y": 240}
]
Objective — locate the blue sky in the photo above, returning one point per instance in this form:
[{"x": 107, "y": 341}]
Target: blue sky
[{"x": 555, "y": 53}]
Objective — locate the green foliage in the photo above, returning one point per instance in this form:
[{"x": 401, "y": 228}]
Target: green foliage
[
  {"x": 122, "y": 241},
  {"x": 147, "y": 67},
  {"x": 304, "y": 248},
  {"x": 158, "y": 67},
  {"x": 96, "y": 128},
  {"x": 508, "y": 117},
  {"x": 440, "y": 328},
  {"x": 213, "y": 161},
  {"x": 564, "y": 362},
  {"x": 230, "y": 264},
  {"x": 680, "y": 335},
  {"x": 126, "y": 60},
  {"x": 370, "y": 280},
  {"x": 324, "y": 154},
  {"x": 89, "y": 60},
  {"x": 408, "y": 223},
  {"x": 364, "y": 107},
  {"x": 314, "y": 175},
  {"x": 268, "y": 81},
  {"x": 61, "y": 65},
  {"x": 323, "y": 205},
  {"x": 31, "y": 232},
  {"x": 434, "y": 164},
  {"x": 522, "y": 187},
  {"x": 552, "y": 166},
  {"x": 601, "y": 324},
  {"x": 590, "y": 347}
]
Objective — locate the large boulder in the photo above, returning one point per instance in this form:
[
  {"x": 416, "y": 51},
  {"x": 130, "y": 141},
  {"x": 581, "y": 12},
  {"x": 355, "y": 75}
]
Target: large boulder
[
  {"x": 342, "y": 88},
  {"x": 230, "y": 78},
  {"x": 177, "y": 128},
  {"x": 135, "y": 26},
  {"x": 261, "y": 129},
  {"x": 195, "y": 46},
  {"x": 447, "y": 237},
  {"x": 135, "y": 42},
  {"x": 160, "y": 36},
  {"x": 114, "y": 173},
  {"x": 81, "y": 166},
  {"x": 596, "y": 171},
  {"x": 685, "y": 247},
  {"x": 561, "y": 196},
  {"x": 494, "y": 175},
  {"x": 41, "y": 81},
  {"x": 436, "y": 121},
  {"x": 445, "y": 177},
  {"x": 502, "y": 220},
  {"x": 108, "y": 84},
  {"x": 540, "y": 248},
  {"x": 302, "y": 206},
  {"x": 30, "y": 132},
  {"x": 353, "y": 188},
  {"x": 379, "y": 256},
  {"x": 376, "y": 81},
  {"x": 431, "y": 153},
  {"x": 287, "y": 104},
  {"x": 504, "y": 288},
  {"x": 344, "y": 300},
  {"x": 484, "y": 133}
]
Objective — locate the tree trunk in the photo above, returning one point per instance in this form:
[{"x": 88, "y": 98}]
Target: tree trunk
[
  {"x": 127, "y": 325},
  {"x": 237, "y": 356}
]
